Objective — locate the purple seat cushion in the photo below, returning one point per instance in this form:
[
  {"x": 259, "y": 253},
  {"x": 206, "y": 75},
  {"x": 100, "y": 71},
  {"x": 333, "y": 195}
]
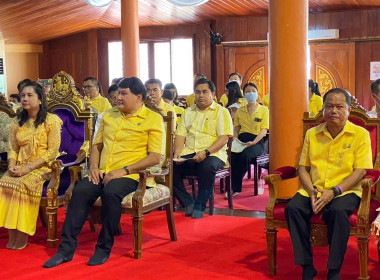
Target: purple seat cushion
[
  {"x": 63, "y": 184},
  {"x": 73, "y": 132},
  {"x": 67, "y": 159},
  {"x": 3, "y": 156}
]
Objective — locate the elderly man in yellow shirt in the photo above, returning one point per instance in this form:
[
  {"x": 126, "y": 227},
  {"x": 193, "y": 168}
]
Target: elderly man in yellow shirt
[
  {"x": 93, "y": 93},
  {"x": 155, "y": 91},
  {"x": 334, "y": 157},
  {"x": 201, "y": 140},
  {"x": 130, "y": 139}
]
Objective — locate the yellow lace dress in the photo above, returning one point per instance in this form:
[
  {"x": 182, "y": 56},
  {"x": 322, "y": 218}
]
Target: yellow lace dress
[{"x": 20, "y": 196}]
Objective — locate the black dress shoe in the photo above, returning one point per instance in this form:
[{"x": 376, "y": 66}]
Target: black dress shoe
[
  {"x": 56, "y": 260},
  {"x": 98, "y": 258}
]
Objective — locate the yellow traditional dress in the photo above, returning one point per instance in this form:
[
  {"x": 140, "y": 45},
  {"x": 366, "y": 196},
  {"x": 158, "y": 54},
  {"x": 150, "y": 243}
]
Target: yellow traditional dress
[{"x": 20, "y": 196}]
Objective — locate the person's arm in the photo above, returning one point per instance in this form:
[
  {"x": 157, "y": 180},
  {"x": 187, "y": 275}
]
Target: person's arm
[
  {"x": 215, "y": 147},
  {"x": 258, "y": 138},
  {"x": 236, "y": 131},
  {"x": 345, "y": 185},
  {"x": 307, "y": 184},
  {"x": 179, "y": 144},
  {"x": 95, "y": 174}
]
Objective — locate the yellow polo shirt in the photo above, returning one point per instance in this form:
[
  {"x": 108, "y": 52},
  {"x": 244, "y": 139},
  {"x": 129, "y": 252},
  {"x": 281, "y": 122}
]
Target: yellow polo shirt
[
  {"x": 190, "y": 100},
  {"x": 332, "y": 160},
  {"x": 265, "y": 100},
  {"x": 178, "y": 110},
  {"x": 127, "y": 140},
  {"x": 100, "y": 103},
  {"x": 165, "y": 107},
  {"x": 315, "y": 105},
  {"x": 202, "y": 128},
  {"x": 252, "y": 123}
]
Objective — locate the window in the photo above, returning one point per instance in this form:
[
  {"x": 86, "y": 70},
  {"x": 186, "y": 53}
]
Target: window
[{"x": 172, "y": 62}]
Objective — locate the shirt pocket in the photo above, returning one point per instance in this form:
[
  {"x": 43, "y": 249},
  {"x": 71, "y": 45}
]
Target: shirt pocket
[
  {"x": 346, "y": 157},
  {"x": 209, "y": 127}
]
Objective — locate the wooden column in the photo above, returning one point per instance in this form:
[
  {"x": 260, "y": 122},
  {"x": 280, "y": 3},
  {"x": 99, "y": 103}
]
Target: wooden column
[
  {"x": 130, "y": 37},
  {"x": 288, "y": 25}
]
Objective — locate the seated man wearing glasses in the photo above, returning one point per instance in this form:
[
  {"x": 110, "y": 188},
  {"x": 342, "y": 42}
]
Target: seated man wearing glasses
[
  {"x": 201, "y": 137},
  {"x": 93, "y": 93},
  {"x": 334, "y": 157}
]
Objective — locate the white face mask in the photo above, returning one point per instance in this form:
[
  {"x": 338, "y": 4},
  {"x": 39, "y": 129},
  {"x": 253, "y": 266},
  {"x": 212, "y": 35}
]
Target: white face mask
[{"x": 251, "y": 97}]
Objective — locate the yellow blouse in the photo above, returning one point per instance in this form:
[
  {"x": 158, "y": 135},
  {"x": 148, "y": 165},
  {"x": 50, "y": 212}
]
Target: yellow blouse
[{"x": 29, "y": 143}]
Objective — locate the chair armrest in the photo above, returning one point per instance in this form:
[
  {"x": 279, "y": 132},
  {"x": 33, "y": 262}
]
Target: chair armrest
[
  {"x": 74, "y": 171},
  {"x": 52, "y": 187},
  {"x": 286, "y": 172}
]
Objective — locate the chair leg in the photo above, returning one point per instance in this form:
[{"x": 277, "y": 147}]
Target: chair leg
[
  {"x": 171, "y": 224},
  {"x": 193, "y": 188},
  {"x": 221, "y": 185},
  {"x": 52, "y": 220},
  {"x": 137, "y": 235},
  {"x": 271, "y": 235},
  {"x": 211, "y": 203},
  {"x": 229, "y": 192},
  {"x": 363, "y": 257},
  {"x": 255, "y": 180}
]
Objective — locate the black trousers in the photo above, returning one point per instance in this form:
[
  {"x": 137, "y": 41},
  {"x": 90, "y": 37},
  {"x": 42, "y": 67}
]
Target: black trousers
[
  {"x": 205, "y": 172},
  {"x": 240, "y": 162},
  {"x": 335, "y": 215},
  {"x": 84, "y": 196}
]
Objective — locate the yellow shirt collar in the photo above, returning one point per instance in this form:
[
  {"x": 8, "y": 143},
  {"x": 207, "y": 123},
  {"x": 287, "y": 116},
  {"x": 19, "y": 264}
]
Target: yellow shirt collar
[
  {"x": 141, "y": 112},
  {"x": 349, "y": 128},
  {"x": 211, "y": 107}
]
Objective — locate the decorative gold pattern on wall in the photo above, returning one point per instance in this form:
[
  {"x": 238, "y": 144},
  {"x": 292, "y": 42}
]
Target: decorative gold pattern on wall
[
  {"x": 258, "y": 78},
  {"x": 324, "y": 79}
]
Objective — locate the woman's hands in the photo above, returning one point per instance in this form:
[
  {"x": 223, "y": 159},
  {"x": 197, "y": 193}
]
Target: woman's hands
[{"x": 18, "y": 170}]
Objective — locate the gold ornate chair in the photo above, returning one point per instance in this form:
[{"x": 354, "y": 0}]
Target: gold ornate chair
[
  {"x": 360, "y": 220},
  {"x": 76, "y": 139},
  {"x": 144, "y": 200},
  {"x": 6, "y": 116}
]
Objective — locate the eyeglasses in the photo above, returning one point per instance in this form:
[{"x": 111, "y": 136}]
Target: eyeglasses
[{"x": 87, "y": 87}]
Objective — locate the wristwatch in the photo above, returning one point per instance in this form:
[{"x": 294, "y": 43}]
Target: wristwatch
[
  {"x": 207, "y": 153},
  {"x": 126, "y": 168}
]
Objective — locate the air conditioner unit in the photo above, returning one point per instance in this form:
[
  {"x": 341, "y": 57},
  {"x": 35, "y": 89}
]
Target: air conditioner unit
[{"x": 323, "y": 34}]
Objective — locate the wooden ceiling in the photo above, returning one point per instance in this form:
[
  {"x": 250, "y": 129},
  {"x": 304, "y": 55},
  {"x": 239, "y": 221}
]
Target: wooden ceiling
[{"x": 34, "y": 21}]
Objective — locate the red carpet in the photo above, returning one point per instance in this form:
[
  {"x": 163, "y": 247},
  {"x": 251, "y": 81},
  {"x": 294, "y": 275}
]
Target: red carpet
[{"x": 216, "y": 247}]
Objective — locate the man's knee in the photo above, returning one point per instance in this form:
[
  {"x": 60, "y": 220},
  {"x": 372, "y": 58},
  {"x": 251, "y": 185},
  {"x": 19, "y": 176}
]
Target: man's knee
[
  {"x": 210, "y": 165},
  {"x": 84, "y": 188}
]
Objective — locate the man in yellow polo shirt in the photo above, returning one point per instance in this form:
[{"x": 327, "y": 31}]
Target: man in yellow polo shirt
[
  {"x": 201, "y": 138},
  {"x": 130, "y": 139},
  {"x": 154, "y": 89},
  {"x": 93, "y": 94},
  {"x": 333, "y": 161}
]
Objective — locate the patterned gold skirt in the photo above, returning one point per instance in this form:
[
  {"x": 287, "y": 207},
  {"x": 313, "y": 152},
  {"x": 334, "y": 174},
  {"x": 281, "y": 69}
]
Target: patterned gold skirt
[{"x": 20, "y": 200}]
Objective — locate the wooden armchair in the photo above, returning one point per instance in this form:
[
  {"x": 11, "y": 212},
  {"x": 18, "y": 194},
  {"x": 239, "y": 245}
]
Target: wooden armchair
[
  {"x": 6, "y": 116},
  {"x": 76, "y": 134},
  {"x": 144, "y": 200},
  {"x": 360, "y": 220}
]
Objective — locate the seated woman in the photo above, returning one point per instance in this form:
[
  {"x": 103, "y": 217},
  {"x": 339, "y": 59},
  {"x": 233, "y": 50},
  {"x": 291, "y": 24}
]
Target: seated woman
[
  {"x": 35, "y": 138},
  {"x": 315, "y": 100},
  {"x": 173, "y": 89},
  {"x": 251, "y": 124}
]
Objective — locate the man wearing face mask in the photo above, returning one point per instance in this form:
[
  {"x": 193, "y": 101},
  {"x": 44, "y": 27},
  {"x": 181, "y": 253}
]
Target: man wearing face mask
[{"x": 251, "y": 124}]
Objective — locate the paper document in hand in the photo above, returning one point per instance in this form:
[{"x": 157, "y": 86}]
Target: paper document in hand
[
  {"x": 181, "y": 159},
  {"x": 238, "y": 146}
]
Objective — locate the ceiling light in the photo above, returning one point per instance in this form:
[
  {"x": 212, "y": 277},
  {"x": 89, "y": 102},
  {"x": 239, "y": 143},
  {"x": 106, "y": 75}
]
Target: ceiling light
[
  {"x": 187, "y": 2},
  {"x": 99, "y": 3}
]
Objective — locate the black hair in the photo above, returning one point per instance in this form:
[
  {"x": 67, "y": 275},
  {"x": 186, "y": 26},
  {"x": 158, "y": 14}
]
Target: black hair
[
  {"x": 250, "y": 85},
  {"x": 21, "y": 84},
  {"x": 375, "y": 87},
  {"x": 312, "y": 85},
  {"x": 17, "y": 96},
  {"x": 175, "y": 96},
  {"x": 135, "y": 85},
  {"x": 339, "y": 90},
  {"x": 153, "y": 81},
  {"x": 117, "y": 80},
  {"x": 200, "y": 75},
  {"x": 96, "y": 82},
  {"x": 210, "y": 84},
  {"x": 317, "y": 92},
  {"x": 234, "y": 92},
  {"x": 42, "y": 112},
  {"x": 168, "y": 95},
  {"x": 232, "y": 74},
  {"x": 112, "y": 88}
]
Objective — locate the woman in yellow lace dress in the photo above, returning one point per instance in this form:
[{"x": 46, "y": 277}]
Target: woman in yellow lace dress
[{"x": 34, "y": 143}]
